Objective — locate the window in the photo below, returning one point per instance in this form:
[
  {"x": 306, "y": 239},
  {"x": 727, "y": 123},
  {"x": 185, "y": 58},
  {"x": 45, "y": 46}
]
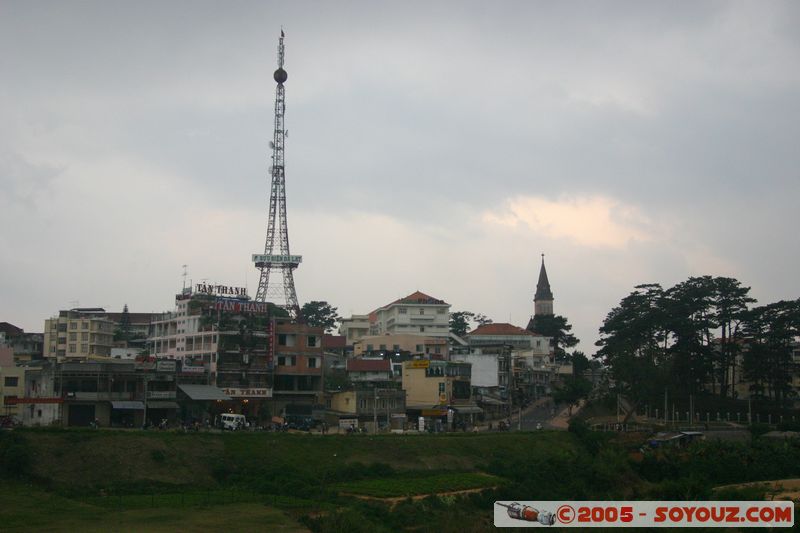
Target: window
[
  {"x": 437, "y": 349},
  {"x": 441, "y": 311},
  {"x": 286, "y": 339},
  {"x": 84, "y": 325},
  {"x": 403, "y": 310},
  {"x": 419, "y": 348},
  {"x": 11, "y": 381},
  {"x": 383, "y": 346},
  {"x": 369, "y": 347},
  {"x": 73, "y": 325},
  {"x": 362, "y": 403},
  {"x": 84, "y": 336},
  {"x": 71, "y": 348},
  {"x": 396, "y": 347},
  {"x": 312, "y": 362},
  {"x": 84, "y": 348},
  {"x": 73, "y": 336},
  {"x": 422, "y": 328},
  {"x": 421, "y": 311},
  {"x": 312, "y": 341},
  {"x": 281, "y": 360}
]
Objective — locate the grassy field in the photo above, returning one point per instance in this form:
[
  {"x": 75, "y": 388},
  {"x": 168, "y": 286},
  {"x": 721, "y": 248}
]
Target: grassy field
[
  {"x": 25, "y": 508},
  {"x": 412, "y": 485},
  {"x": 66, "y": 480}
]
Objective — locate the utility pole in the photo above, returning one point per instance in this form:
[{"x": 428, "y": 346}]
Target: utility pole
[
  {"x": 375, "y": 409},
  {"x": 666, "y": 412}
]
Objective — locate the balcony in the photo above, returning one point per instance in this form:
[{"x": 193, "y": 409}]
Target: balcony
[
  {"x": 100, "y": 396},
  {"x": 161, "y": 395}
]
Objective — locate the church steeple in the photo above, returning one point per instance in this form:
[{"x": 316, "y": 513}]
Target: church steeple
[{"x": 543, "y": 299}]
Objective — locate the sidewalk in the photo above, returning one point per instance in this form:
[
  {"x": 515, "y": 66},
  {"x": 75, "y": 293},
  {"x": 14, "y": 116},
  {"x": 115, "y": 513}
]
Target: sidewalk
[{"x": 561, "y": 420}]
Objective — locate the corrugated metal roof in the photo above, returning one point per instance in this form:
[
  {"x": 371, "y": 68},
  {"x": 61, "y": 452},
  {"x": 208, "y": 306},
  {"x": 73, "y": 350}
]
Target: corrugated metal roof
[
  {"x": 139, "y": 406},
  {"x": 162, "y": 405},
  {"x": 203, "y": 392}
]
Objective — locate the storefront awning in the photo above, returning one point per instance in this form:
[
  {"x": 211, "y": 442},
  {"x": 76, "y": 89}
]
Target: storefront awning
[
  {"x": 203, "y": 392},
  {"x": 138, "y": 406},
  {"x": 468, "y": 410},
  {"x": 492, "y": 401},
  {"x": 162, "y": 405}
]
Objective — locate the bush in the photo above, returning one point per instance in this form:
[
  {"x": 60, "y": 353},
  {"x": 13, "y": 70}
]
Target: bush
[
  {"x": 15, "y": 456},
  {"x": 158, "y": 456}
]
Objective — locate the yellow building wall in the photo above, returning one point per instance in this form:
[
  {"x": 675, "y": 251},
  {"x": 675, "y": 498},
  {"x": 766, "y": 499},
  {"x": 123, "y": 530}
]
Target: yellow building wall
[
  {"x": 344, "y": 402},
  {"x": 18, "y": 390},
  {"x": 421, "y": 390}
]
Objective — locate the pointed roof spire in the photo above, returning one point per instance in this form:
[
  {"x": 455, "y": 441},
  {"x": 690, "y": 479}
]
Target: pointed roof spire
[{"x": 543, "y": 291}]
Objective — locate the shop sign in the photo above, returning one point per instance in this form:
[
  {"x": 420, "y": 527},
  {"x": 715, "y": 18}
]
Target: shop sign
[
  {"x": 220, "y": 290},
  {"x": 248, "y": 393}
]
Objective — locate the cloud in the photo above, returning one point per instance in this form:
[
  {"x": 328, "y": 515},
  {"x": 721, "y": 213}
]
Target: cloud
[{"x": 597, "y": 222}]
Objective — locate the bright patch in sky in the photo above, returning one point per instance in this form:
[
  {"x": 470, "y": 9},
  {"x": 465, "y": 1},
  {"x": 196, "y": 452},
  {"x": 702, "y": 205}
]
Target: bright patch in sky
[{"x": 589, "y": 221}]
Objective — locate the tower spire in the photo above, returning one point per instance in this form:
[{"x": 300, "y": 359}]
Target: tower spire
[
  {"x": 277, "y": 260},
  {"x": 543, "y": 299}
]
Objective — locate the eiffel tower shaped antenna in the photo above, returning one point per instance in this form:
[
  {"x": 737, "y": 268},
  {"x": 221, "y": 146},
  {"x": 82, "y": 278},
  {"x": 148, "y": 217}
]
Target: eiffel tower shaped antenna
[{"x": 277, "y": 264}]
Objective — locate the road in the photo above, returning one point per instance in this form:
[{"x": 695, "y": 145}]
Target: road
[{"x": 540, "y": 412}]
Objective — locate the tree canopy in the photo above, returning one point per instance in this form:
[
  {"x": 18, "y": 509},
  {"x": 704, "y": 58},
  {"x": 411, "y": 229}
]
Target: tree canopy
[
  {"x": 461, "y": 321},
  {"x": 688, "y": 339},
  {"x": 320, "y": 314},
  {"x": 558, "y": 329}
]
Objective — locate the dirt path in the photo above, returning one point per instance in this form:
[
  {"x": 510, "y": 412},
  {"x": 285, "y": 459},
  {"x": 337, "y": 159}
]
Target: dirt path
[
  {"x": 392, "y": 501},
  {"x": 777, "y": 489}
]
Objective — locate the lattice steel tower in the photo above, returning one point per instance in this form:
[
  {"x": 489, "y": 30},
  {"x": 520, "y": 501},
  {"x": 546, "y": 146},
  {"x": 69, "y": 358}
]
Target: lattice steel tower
[{"x": 277, "y": 261}]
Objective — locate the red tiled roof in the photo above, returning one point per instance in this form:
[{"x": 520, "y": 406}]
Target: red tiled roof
[
  {"x": 334, "y": 341},
  {"x": 500, "y": 329},
  {"x": 418, "y": 297},
  {"x": 369, "y": 365},
  {"x": 10, "y": 329}
]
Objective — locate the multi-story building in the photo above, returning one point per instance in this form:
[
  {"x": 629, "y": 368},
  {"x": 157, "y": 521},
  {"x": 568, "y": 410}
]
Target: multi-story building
[
  {"x": 507, "y": 334},
  {"x": 354, "y": 328},
  {"x": 433, "y": 347},
  {"x": 299, "y": 362},
  {"x": 381, "y": 407},
  {"x": 440, "y": 390},
  {"x": 268, "y": 365},
  {"x": 24, "y": 346},
  {"x": 369, "y": 370},
  {"x": 78, "y": 333},
  {"x": 12, "y": 387},
  {"x": 416, "y": 314}
]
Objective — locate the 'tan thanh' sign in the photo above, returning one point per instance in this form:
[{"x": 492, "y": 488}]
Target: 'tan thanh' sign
[
  {"x": 248, "y": 393},
  {"x": 419, "y": 363},
  {"x": 220, "y": 290},
  {"x": 241, "y": 307},
  {"x": 278, "y": 259}
]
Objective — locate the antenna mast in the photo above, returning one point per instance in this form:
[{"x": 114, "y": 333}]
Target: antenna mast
[{"x": 277, "y": 260}]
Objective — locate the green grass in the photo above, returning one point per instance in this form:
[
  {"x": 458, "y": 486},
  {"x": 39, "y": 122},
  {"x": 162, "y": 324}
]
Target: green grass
[
  {"x": 408, "y": 485},
  {"x": 25, "y": 508}
]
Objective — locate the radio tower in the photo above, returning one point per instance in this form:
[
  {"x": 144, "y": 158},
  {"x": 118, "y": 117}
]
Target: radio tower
[{"x": 277, "y": 264}]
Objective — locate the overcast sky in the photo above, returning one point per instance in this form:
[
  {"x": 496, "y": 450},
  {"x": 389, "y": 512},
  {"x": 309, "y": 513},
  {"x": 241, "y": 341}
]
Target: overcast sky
[{"x": 439, "y": 147}]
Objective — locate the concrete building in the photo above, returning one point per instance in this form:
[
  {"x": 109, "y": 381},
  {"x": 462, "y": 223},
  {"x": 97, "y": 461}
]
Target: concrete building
[
  {"x": 299, "y": 361},
  {"x": 78, "y": 333},
  {"x": 24, "y": 346},
  {"x": 12, "y": 387},
  {"x": 416, "y": 314},
  {"x": 507, "y": 334},
  {"x": 369, "y": 370},
  {"x": 431, "y": 383},
  {"x": 354, "y": 328},
  {"x": 433, "y": 347},
  {"x": 366, "y": 407}
]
